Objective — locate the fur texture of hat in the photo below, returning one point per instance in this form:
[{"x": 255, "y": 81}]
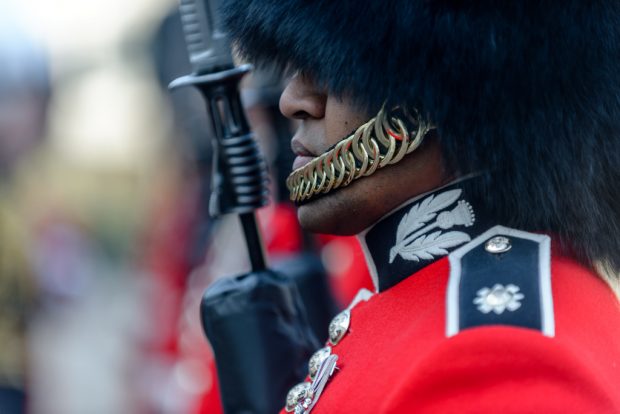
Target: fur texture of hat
[{"x": 526, "y": 91}]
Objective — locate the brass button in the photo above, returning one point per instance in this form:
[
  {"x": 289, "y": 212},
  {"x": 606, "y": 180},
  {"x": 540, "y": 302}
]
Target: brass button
[
  {"x": 339, "y": 326},
  {"x": 317, "y": 359},
  {"x": 497, "y": 245},
  {"x": 300, "y": 395}
]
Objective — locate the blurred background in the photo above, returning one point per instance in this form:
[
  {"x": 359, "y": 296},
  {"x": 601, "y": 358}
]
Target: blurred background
[{"x": 105, "y": 246}]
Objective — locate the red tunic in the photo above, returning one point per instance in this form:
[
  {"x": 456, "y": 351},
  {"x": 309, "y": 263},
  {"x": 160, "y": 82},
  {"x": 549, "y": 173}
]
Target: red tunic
[{"x": 396, "y": 357}]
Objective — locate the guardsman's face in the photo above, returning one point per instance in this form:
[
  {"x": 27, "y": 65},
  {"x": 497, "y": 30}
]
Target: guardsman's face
[{"x": 324, "y": 120}]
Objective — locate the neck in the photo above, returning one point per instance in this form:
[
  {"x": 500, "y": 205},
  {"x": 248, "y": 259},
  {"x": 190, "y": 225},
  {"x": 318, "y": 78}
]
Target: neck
[{"x": 422, "y": 231}]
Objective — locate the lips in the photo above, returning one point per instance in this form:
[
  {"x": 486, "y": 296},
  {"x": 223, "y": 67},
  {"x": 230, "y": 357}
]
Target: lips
[
  {"x": 300, "y": 161},
  {"x": 304, "y": 155}
]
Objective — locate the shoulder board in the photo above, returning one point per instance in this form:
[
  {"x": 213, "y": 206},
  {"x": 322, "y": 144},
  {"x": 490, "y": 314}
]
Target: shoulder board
[{"x": 502, "y": 277}]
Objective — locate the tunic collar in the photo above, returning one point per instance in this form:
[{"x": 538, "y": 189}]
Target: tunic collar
[{"x": 422, "y": 231}]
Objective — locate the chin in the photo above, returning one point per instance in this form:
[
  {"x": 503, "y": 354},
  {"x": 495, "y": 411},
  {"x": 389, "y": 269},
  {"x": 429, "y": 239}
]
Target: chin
[
  {"x": 337, "y": 214},
  {"x": 354, "y": 208}
]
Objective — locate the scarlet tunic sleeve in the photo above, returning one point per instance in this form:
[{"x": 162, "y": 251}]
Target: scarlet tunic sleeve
[{"x": 504, "y": 370}]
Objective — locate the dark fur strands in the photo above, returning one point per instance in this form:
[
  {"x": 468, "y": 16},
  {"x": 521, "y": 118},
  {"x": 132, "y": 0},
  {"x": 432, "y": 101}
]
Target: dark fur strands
[{"x": 526, "y": 90}]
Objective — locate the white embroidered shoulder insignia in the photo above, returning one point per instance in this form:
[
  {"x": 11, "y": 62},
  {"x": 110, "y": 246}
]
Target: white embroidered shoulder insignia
[{"x": 503, "y": 278}]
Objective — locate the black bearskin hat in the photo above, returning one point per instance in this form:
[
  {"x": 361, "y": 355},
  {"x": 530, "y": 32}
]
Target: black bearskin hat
[{"x": 527, "y": 91}]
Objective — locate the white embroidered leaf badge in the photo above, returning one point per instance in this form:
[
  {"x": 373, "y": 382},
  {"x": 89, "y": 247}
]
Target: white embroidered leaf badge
[
  {"x": 411, "y": 241},
  {"x": 424, "y": 212},
  {"x": 435, "y": 244}
]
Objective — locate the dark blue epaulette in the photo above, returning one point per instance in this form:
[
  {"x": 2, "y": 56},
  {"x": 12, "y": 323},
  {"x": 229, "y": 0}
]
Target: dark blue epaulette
[{"x": 502, "y": 277}]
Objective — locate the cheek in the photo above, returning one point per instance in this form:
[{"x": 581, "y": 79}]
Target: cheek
[{"x": 341, "y": 119}]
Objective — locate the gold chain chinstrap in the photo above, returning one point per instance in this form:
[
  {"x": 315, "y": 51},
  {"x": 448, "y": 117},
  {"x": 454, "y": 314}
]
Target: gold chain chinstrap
[{"x": 382, "y": 141}]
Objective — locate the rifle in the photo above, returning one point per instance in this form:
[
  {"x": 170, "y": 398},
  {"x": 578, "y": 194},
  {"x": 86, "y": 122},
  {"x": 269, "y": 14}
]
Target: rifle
[{"x": 255, "y": 322}]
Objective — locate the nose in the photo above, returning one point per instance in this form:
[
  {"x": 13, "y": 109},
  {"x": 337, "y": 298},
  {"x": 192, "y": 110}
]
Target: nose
[{"x": 301, "y": 99}]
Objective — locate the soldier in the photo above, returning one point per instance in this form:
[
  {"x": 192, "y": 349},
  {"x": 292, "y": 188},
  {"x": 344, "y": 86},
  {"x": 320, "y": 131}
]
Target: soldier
[{"x": 473, "y": 147}]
